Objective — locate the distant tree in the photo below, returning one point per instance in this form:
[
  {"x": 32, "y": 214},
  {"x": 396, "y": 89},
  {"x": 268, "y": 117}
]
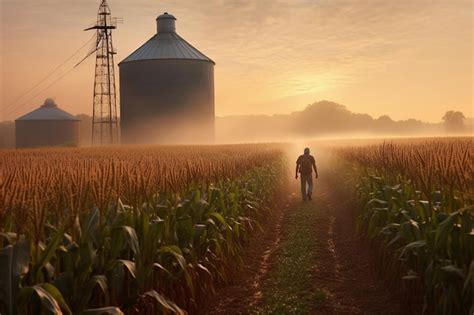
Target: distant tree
[
  {"x": 385, "y": 119},
  {"x": 385, "y": 124},
  {"x": 321, "y": 118},
  {"x": 454, "y": 121}
]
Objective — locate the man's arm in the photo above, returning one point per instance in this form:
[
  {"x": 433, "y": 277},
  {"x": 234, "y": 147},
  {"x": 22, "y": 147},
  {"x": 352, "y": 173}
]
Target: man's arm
[{"x": 297, "y": 167}]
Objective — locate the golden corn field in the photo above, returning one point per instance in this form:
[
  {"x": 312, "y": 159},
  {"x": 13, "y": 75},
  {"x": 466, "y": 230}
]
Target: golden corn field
[
  {"x": 418, "y": 206},
  {"x": 140, "y": 230},
  {"x": 157, "y": 229},
  {"x": 77, "y": 179}
]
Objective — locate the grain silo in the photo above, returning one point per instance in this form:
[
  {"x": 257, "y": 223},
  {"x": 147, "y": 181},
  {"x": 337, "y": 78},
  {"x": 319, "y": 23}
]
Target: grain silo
[
  {"x": 47, "y": 126},
  {"x": 167, "y": 90}
]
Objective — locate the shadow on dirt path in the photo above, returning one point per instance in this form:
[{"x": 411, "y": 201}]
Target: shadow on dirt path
[{"x": 344, "y": 268}]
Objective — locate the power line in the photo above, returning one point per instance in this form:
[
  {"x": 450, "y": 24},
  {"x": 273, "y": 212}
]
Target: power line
[
  {"x": 10, "y": 104},
  {"x": 45, "y": 89},
  {"x": 91, "y": 51}
]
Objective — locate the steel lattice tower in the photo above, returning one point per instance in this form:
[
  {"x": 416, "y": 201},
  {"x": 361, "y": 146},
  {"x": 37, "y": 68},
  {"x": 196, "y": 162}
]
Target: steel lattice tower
[{"x": 105, "y": 129}]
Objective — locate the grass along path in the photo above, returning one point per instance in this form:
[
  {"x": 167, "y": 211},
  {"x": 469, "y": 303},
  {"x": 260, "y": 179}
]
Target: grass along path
[{"x": 288, "y": 287}]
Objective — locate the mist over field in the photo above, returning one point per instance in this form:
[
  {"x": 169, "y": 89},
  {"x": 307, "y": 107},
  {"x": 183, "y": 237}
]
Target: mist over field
[
  {"x": 326, "y": 119},
  {"x": 320, "y": 120}
]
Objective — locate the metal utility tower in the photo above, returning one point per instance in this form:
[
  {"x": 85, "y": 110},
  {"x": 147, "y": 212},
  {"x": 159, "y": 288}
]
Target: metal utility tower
[{"x": 105, "y": 129}]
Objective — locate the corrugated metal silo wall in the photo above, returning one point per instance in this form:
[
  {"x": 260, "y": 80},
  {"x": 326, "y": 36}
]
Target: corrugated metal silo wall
[
  {"x": 167, "y": 101},
  {"x": 39, "y": 133}
]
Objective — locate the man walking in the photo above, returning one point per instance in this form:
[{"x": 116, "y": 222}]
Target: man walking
[{"x": 305, "y": 165}]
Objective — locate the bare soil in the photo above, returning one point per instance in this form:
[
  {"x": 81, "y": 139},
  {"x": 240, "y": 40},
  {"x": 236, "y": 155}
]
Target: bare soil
[
  {"x": 344, "y": 267},
  {"x": 245, "y": 287}
]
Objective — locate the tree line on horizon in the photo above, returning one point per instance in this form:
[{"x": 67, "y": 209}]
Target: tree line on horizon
[
  {"x": 330, "y": 119},
  {"x": 320, "y": 119}
]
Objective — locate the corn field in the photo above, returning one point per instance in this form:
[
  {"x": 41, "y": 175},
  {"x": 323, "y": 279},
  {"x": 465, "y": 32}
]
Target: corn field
[
  {"x": 141, "y": 230},
  {"x": 418, "y": 204}
]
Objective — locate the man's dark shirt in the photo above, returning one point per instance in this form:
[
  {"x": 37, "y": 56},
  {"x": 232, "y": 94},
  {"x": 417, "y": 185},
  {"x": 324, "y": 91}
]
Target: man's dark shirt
[{"x": 305, "y": 162}]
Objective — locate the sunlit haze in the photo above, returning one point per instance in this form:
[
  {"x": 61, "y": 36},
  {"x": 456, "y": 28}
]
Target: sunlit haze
[{"x": 406, "y": 59}]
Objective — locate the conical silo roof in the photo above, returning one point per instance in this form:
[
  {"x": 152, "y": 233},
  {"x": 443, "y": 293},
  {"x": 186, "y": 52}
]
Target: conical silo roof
[
  {"x": 166, "y": 44},
  {"x": 48, "y": 111}
]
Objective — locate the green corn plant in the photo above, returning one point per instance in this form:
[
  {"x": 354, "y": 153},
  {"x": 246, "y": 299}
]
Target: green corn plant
[
  {"x": 423, "y": 220},
  {"x": 133, "y": 238}
]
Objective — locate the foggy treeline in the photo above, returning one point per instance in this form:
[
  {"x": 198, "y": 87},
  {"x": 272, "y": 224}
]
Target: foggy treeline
[
  {"x": 328, "y": 119},
  {"x": 320, "y": 119}
]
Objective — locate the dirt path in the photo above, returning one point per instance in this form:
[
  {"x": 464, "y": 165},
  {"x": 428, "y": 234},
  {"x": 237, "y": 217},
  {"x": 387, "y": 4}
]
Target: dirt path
[
  {"x": 340, "y": 277},
  {"x": 245, "y": 288},
  {"x": 344, "y": 268}
]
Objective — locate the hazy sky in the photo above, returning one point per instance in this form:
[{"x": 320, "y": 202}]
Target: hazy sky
[{"x": 404, "y": 58}]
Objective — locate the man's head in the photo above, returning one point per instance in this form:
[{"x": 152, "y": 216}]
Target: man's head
[{"x": 306, "y": 150}]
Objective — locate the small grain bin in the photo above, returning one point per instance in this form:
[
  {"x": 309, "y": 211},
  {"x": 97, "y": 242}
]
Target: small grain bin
[
  {"x": 167, "y": 90},
  {"x": 47, "y": 126}
]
